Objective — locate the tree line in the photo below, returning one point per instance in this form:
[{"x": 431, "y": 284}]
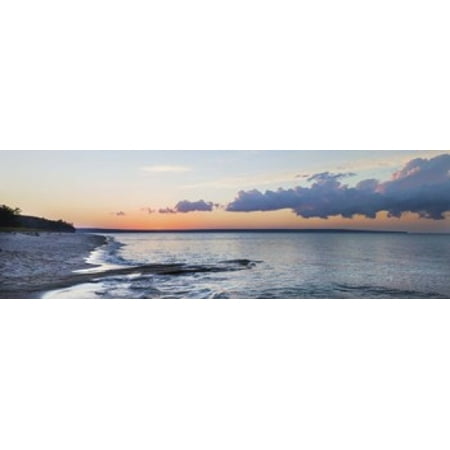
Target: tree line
[{"x": 12, "y": 218}]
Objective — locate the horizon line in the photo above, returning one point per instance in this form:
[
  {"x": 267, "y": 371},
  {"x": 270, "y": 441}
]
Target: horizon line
[{"x": 224, "y": 230}]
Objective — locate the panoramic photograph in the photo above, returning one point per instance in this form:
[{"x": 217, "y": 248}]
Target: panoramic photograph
[{"x": 224, "y": 224}]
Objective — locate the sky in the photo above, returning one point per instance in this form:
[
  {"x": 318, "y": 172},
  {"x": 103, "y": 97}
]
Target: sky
[{"x": 379, "y": 190}]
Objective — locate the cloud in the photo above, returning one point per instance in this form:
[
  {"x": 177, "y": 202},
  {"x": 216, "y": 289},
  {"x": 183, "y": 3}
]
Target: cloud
[
  {"x": 167, "y": 169},
  {"x": 148, "y": 210},
  {"x": 185, "y": 206},
  {"x": 118, "y": 213},
  {"x": 377, "y": 160},
  {"x": 422, "y": 186},
  {"x": 245, "y": 180},
  {"x": 326, "y": 176},
  {"x": 167, "y": 211}
]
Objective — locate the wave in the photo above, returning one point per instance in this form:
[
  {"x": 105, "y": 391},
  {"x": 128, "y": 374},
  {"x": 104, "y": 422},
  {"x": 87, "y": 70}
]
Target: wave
[
  {"x": 385, "y": 292},
  {"x": 343, "y": 291},
  {"x": 110, "y": 252},
  {"x": 133, "y": 273}
]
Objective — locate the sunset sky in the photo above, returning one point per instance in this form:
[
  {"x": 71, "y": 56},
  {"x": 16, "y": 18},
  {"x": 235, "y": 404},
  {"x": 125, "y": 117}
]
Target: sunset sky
[{"x": 227, "y": 189}]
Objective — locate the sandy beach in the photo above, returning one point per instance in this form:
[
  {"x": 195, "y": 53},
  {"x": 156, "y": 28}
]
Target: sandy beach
[{"x": 31, "y": 260}]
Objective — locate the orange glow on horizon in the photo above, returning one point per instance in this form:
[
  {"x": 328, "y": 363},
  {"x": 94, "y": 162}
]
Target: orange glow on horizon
[{"x": 259, "y": 220}]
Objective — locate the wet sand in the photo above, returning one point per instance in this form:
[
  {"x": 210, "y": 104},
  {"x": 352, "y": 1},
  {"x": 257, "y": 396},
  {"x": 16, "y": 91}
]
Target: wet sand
[{"x": 30, "y": 261}]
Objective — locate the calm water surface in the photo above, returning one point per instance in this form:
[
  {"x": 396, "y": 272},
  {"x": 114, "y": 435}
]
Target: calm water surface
[{"x": 286, "y": 265}]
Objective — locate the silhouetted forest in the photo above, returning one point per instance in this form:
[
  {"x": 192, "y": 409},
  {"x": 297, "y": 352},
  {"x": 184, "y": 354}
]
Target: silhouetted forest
[{"x": 11, "y": 218}]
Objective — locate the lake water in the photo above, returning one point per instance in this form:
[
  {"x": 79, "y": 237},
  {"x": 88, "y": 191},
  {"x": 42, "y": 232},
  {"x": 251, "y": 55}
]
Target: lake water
[{"x": 283, "y": 265}]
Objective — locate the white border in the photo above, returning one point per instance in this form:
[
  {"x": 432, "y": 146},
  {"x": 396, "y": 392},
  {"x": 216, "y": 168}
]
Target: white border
[
  {"x": 239, "y": 374},
  {"x": 241, "y": 74}
]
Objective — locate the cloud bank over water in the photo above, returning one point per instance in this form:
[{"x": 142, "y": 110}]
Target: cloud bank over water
[
  {"x": 185, "y": 206},
  {"x": 422, "y": 186}
]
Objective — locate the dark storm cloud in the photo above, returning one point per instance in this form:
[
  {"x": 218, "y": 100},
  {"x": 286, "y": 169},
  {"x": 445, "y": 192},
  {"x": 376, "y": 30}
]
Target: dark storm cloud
[
  {"x": 422, "y": 186},
  {"x": 185, "y": 206}
]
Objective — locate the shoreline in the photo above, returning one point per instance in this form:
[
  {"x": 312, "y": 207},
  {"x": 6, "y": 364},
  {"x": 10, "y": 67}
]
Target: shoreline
[
  {"x": 34, "y": 264},
  {"x": 32, "y": 261}
]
